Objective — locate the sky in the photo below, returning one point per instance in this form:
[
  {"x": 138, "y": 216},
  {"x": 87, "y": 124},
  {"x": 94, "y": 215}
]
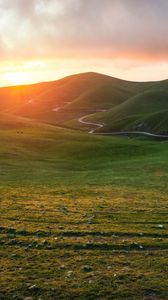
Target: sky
[{"x": 42, "y": 40}]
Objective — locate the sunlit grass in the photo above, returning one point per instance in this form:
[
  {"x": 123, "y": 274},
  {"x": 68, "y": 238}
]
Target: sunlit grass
[{"x": 82, "y": 216}]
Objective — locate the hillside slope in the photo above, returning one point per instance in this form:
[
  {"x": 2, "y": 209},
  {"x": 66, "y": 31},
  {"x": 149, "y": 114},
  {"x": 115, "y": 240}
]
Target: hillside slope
[
  {"x": 81, "y": 91},
  {"x": 74, "y": 96},
  {"x": 146, "y": 111},
  {"x": 118, "y": 104}
]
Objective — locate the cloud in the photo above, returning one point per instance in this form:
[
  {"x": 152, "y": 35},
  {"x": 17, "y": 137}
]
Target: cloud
[{"x": 84, "y": 28}]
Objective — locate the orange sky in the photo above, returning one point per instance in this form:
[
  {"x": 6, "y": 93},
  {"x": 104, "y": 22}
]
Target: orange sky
[{"x": 43, "y": 40}]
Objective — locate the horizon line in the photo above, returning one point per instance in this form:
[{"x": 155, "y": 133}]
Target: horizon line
[{"x": 81, "y": 73}]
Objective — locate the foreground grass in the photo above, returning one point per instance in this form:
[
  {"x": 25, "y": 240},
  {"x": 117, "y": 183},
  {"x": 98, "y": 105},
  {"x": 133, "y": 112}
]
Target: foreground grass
[
  {"x": 82, "y": 217},
  {"x": 50, "y": 235}
]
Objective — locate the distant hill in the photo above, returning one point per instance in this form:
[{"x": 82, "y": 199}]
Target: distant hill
[
  {"x": 84, "y": 91},
  {"x": 146, "y": 111},
  {"x": 118, "y": 104}
]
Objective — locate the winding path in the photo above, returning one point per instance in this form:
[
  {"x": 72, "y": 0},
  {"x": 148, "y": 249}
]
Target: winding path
[
  {"x": 118, "y": 133},
  {"x": 81, "y": 120}
]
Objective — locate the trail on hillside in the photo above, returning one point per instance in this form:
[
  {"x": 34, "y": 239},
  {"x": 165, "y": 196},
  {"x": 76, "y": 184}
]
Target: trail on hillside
[
  {"x": 123, "y": 133},
  {"x": 96, "y": 125}
]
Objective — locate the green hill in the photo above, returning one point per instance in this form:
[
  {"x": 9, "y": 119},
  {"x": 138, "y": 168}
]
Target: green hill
[
  {"x": 125, "y": 105},
  {"x": 70, "y": 98},
  {"x": 81, "y": 91},
  {"x": 105, "y": 93},
  {"x": 146, "y": 111}
]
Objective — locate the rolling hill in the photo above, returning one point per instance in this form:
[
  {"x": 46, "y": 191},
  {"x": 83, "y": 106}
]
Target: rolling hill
[
  {"x": 70, "y": 97},
  {"x": 146, "y": 111},
  {"x": 118, "y": 104}
]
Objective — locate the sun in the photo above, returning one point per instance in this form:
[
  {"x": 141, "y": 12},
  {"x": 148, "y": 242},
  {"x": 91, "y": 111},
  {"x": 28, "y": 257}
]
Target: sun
[{"x": 18, "y": 78}]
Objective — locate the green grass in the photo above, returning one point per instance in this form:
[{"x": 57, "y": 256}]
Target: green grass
[
  {"x": 49, "y": 234},
  {"x": 43, "y": 153},
  {"x": 70, "y": 199},
  {"x": 146, "y": 111}
]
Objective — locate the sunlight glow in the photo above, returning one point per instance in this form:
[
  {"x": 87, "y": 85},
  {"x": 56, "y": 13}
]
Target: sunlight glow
[
  {"x": 33, "y": 71},
  {"x": 18, "y": 78}
]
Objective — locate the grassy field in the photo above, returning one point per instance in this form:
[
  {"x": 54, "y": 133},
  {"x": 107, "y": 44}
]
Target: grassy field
[{"x": 82, "y": 217}]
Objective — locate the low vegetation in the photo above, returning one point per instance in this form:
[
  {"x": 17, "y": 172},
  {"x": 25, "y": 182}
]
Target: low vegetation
[{"x": 82, "y": 216}]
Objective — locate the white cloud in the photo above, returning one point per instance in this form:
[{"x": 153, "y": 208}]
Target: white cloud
[{"x": 90, "y": 27}]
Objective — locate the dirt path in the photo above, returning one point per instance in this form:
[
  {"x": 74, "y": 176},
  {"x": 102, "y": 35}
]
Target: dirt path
[
  {"x": 96, "y": 125},
  {"x": 134, "y": 133},
  {"x": 117, "y": 133}
]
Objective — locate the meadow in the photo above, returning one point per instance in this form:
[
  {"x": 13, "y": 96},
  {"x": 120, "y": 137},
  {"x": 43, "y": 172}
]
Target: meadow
[{"x": 82, "y": 216}]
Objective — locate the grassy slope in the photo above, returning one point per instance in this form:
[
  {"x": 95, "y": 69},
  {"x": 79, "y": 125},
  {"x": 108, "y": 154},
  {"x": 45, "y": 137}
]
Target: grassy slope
[
  {"x": 12, "y": 98},
  {"x": 79, "y": 94},
  {"x": 43, "y": 96},
  {"x": 130, "y": 105},
  {"x": 70, "y": 200},
  {"x": 44, "y": 152},
  {"x": 62, "y": 92},
  {"x": 145, "y": 111},
  {"x": 85, "y": 91},
  {"x": 107, "y": 92}
]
